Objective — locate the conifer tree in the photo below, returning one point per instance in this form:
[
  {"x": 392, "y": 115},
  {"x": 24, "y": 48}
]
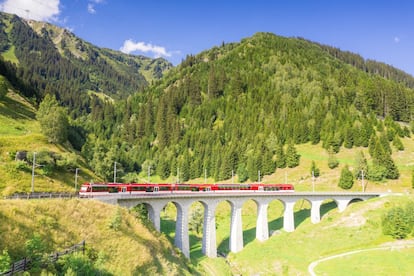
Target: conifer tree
[
  {"x": 332, "y": 160},
  {"x": 361, "y": 165},
  {"x": 349, "y": 138},
  {"x": 397, "y": 143},
  {"x": 242, "y": 172},
  {"x": 346, "y": 181},
  {"x": 3, "y": 88},
  {"x": 280, "y": 157},
  {"x": 292, "y": 157},
  {"x": 314, "y": 170}
]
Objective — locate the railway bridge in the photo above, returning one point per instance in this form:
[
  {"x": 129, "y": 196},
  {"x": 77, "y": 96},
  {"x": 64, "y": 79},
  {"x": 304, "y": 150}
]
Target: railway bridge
[{"x": 155, "y": 202}]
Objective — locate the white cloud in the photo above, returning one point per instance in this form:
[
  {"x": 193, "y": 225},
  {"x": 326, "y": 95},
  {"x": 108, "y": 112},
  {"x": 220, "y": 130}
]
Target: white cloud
[
  {"x": 92, "y": 4},
  {"x": 91, "y": 8},
  {"x": 33, "y": 9},
  {"x": 396, "y": 39},
  {"x": 158, "y": 51}
]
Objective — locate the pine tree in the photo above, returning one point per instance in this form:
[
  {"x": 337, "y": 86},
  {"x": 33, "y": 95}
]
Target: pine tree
[
  {"x": 346, "y": 181},
  {"x": 361, "y": 165},
  {"x": 332, "y": 160},
  {"x": 280, "y": 157},
  {"x": 349, "y": 138},
  {"x": 242, "y": 172},
  {"x": 292, "y": 157},
  {"x": 268, "y": 165},
  {"x": 397, "y": 143},
  {"x": 314, "y": 170},
  {"x": 3, "y": 88}
]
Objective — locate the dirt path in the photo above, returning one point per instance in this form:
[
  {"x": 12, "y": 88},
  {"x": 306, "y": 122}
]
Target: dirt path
[{"x": 389, "y": 246}]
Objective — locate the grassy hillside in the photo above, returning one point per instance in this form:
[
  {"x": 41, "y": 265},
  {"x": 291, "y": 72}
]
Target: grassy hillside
[
  {"x": 19, "y": 132},
  {"x": 128, "y": 249},
  {"x": 358, "y": 227}
]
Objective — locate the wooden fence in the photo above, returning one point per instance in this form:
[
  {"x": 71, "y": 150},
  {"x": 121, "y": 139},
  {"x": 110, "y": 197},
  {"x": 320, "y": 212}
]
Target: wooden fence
[{"x": 25, "y": 264}]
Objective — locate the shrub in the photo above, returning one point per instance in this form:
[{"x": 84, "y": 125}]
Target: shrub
[
  {"x": 396, "y": 223},
  {"x": 5, "y": 261},
  {"x": 116, "y": 220}
]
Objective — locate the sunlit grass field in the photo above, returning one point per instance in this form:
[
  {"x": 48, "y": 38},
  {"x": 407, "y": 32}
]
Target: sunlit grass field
[{"x": 358, "y": 227}]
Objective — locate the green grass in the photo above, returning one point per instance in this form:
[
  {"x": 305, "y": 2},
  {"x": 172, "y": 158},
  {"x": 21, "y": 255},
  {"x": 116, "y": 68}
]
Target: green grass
[
  {"x": 378, "y": 262},
  {"x": 9, "y": 55},
  {"x": 358, "y": 227},
  {"x": 20, "y": 131},
  {"x": 132, "y": 249}
]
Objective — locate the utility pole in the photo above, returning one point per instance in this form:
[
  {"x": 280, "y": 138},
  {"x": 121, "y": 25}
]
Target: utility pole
[
  {"x": 313, "y": 181},
  {"x": 76, "y": 178},
  {"x": 178, "y": 175},
  {"x": 149, "y": 173},
  {"x": 33, "y": 170},
  {"x": 258, "y": 173},
  {"x": 115, "y": 172},
  {"x": 362, "y": 181}
]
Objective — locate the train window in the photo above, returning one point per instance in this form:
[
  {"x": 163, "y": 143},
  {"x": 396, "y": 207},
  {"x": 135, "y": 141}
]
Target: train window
[{"x": 112, "y": 189}]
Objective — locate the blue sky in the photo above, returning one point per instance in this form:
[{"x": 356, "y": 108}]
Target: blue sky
[{"x": 377, "y": 29}]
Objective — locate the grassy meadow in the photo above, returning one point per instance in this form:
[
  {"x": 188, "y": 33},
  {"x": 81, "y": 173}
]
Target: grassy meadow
[
  {"x": 358, "y": 227},
  {"x": 20, "y": 131}
]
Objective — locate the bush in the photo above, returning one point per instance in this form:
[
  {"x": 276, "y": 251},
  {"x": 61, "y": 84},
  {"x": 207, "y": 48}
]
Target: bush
[
  {"x": 396, "y": 223},
  {"x": 116, "y": 220},
  {"x": 5, "y": 261}
]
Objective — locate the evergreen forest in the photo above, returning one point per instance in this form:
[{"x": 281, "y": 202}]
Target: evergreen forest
[{"x": 235, "y": 109}]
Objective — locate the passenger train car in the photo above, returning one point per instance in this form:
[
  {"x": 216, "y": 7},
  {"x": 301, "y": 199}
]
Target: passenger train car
[{"x": 97, "y": 189}]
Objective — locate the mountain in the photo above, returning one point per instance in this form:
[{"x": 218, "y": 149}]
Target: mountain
[
  {"x": 241, "y": 108},
  {"x": 41, "y": 58}
]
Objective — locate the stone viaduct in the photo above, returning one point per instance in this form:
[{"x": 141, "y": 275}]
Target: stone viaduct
[{"x": 155, "y": 202}]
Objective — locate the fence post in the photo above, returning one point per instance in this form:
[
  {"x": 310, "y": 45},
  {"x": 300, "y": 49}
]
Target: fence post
[{"x": 83, "y": 247}]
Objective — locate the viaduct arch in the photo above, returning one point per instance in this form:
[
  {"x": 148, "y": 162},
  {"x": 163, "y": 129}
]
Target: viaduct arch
[{"x": 155, "y": 202}]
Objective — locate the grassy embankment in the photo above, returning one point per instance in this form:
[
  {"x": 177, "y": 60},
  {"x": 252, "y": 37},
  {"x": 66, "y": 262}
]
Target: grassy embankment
[{"x": 129, "y": 249}]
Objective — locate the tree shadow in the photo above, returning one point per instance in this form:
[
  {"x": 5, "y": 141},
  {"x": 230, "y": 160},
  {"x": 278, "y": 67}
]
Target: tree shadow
[
  {"x": 16, "y": 110},
  {"x": 327, "y": 207},
  {"x": 300, "y": 216}
]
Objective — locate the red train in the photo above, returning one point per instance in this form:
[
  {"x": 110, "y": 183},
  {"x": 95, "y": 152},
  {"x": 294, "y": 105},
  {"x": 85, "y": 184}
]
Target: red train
[{"x": 92, "y": 189}]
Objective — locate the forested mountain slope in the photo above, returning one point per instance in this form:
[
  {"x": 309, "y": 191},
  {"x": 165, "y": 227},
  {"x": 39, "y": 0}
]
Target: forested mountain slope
[
  {"x": 39, "y": 58},
  {"x": 242, "y": 107}
]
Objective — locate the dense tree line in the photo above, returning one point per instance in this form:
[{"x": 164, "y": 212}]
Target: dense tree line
[
  {"x": 241, "y": 108},
  {"x": 235, "y": 109}
]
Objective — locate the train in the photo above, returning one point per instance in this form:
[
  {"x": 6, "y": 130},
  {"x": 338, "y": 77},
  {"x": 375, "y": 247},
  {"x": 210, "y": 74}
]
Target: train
[{"x": 100, "y": 189}]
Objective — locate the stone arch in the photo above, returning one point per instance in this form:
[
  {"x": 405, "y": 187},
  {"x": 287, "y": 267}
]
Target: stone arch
[
  {"x": 222, "y": 214},
  {"x": 196, "y": 224},
  {"x": 275, "y": 211},
  {"x": 327, "y": 205},
  {"x": 250, "y": 216},
  {"x": 355, "y": 200},
  {"x": 302, "y": 210}
]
